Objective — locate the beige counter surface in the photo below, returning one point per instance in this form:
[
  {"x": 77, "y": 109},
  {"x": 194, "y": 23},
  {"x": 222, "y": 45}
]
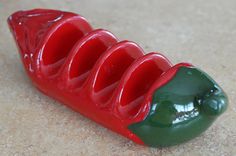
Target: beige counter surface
[{"x": 201, "y": 32}]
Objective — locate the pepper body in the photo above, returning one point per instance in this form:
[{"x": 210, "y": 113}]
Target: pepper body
[{"x": 142, "y": 97}]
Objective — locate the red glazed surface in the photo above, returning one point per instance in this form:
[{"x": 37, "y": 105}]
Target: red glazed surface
[{"x": 109, "y": 81}]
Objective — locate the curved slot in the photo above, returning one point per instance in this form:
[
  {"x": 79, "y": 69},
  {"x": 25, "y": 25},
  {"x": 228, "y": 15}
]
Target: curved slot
[
  {"x": 60, "y": 43},
  {"x": 143, "y": 74},
  {"x": 87, "y": 52},
  {"x": 112, "y": 66}
]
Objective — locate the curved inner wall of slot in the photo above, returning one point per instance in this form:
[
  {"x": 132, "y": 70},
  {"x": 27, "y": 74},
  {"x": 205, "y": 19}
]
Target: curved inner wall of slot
[
  {"x": 137, "y": 87},
  {"x": 111, "y": 71},
  {"x": 59, "y": 46},
  {"x": 86, "y": 57}
]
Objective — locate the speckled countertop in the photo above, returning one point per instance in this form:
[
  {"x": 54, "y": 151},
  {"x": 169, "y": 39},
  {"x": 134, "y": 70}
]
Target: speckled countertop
[{"x": 202, "y": 32}]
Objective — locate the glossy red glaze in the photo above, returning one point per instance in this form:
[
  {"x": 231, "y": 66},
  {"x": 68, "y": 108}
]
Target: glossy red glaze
[{"x": 110, "y": 82}]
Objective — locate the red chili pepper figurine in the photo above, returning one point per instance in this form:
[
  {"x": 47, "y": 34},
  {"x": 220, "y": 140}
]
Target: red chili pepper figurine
[{"x": 142, "y": 97}]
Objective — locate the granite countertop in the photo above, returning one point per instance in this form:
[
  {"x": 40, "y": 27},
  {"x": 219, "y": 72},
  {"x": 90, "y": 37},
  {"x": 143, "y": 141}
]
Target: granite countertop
[{"x": 201, "y": 32}]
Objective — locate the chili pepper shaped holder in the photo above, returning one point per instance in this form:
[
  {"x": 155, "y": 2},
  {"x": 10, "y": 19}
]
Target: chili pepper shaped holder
[{"x": 140, "y": 96}]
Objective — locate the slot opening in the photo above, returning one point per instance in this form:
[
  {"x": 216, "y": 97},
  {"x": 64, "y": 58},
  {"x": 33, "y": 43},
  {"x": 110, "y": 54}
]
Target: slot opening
[
  {"x": 137, "y": 87},
  {"x": 112, "y": 70},
  {"x": 87, "y": 56},
  {"x": 59, "y": 46}
]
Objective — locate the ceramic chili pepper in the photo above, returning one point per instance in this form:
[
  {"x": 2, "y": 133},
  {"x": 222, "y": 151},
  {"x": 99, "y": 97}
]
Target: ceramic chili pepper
[{"x": 142, "y": 97}]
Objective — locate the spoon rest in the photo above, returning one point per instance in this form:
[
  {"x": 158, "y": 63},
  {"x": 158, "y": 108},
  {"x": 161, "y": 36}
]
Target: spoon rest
[{"x": 142, "y": 97}]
